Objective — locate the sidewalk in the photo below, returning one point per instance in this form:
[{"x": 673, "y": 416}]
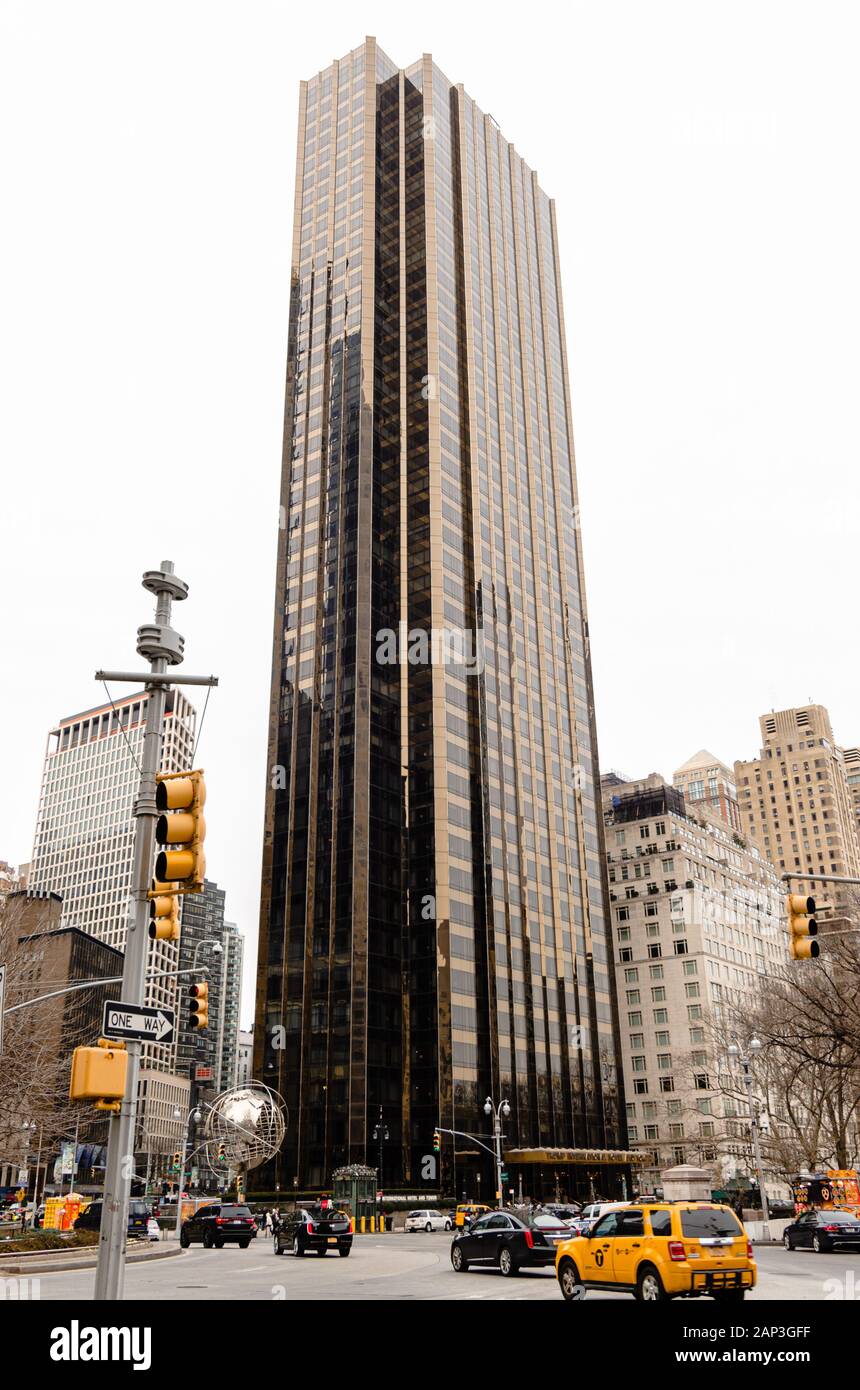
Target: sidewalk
[{"x": 52, "y": 1261}]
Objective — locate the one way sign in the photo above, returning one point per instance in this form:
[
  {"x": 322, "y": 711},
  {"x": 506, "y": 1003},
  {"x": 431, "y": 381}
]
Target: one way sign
[{"x": 138, "y": 1022}]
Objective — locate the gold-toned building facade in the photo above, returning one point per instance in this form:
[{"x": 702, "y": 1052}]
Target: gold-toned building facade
[{"x": 433, "y": 918}]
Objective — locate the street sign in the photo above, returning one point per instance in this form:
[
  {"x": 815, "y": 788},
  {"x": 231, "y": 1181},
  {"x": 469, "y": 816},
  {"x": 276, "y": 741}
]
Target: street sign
[
  {"x": 138, "y": 1022},
  {"x": 2, "y": 994}
]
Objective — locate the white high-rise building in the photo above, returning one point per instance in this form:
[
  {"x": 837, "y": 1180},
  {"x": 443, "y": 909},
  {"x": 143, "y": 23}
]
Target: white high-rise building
[{"x": 84, "y": 845}]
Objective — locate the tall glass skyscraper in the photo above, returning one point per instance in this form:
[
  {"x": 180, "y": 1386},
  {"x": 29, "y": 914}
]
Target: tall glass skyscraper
[{"x": 433, "y": 921}]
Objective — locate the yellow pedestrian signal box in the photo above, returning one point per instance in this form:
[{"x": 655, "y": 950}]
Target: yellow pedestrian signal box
[
  {"x": 163, "y": 912},
  {"x": 98, "y": 1073},
  {"x": 181, "y": 830},
  {"x": 802, "y": 927}
]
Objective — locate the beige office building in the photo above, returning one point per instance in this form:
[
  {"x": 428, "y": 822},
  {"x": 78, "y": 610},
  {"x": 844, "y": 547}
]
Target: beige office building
[
  {"x": 695, "y": 919},
  {"x": 795, "y": 798},
  {"x": 704, "y": 779},
  {"x": 851, "y": 759}
]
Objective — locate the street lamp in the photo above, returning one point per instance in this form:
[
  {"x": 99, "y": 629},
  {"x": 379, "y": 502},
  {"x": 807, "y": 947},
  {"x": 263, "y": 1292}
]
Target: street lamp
[
  {"x": 497, "y": 1111},
  {"x": 380, "y": 1132},
  {"x": 30, "y": 1127},
  {"x": 735, "y": 1052},
  {"x": 196, "y": 1116},
  {"x": 212, "y": 941}
]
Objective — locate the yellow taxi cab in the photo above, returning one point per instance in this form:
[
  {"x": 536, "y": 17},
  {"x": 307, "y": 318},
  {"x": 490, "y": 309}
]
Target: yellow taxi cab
[
  {"x": 468, "y": 1212},
  {"x": 660, "y": 1250}
]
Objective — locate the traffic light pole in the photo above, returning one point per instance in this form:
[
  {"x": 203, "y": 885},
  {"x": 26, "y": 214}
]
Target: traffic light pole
[{"x": 164, "y": 647}]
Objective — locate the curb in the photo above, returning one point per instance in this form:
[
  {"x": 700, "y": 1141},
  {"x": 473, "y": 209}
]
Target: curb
[{"x": 26, "y": 1263}]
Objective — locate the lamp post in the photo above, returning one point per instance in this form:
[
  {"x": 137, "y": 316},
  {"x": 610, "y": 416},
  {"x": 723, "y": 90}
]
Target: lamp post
[
  {"x": 380, "y": 1132},
  {"x": 195, "y": 1115},
  {"x": 736, "y": 1053},
  {"x": 30, "y": 1128},
  {"x": 497, "y": 1111}
]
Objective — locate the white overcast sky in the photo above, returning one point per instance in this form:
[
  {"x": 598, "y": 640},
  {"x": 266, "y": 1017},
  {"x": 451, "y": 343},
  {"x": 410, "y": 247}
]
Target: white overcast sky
[{"x": 704, "y": 162}]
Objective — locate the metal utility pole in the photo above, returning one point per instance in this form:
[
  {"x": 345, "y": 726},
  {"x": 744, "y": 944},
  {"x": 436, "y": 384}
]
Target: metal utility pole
[
  {"x": 164, "y": 647},
  {"x": 735, "y": 1051}
]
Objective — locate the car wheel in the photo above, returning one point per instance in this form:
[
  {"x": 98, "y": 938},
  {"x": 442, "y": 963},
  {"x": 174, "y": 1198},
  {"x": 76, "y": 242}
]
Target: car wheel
[
  {"x": 243, "y": 1244},
  {"x": 219, "y": 1245},
  {"x": 184, "y": 1239},
  {"x": 458, "y": 1259},
  {"x": 817, "y": 1246},
  {"x": 649, "y": 1286},
  {"x": 429, "y": 1226},
  {"x": 297, "y": 1246},
  {"x": 447, "y": 1225},
  {"x": 344, "y": 1250},
  {"x": 786, "y": 1240},
  {"x": 568, "y": 1280},
  {"x": 507, "y": 1263},
  {"x": 207, "y": 1240},
  {"x": 322, "y": 1251}
]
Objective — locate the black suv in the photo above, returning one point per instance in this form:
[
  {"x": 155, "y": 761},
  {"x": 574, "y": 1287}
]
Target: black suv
[
  {"x": 138, "y": 1218},
  {"x": 218, "y": 1223},
  {"x": 314, "y": 1228}
]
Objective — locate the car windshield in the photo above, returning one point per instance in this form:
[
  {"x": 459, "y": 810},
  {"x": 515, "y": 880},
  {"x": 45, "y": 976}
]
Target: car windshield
[
  {"x": 703, "y": 1222},
  {"x": 233, "y": 1212},
  {"x": 544, "y": 1222}
]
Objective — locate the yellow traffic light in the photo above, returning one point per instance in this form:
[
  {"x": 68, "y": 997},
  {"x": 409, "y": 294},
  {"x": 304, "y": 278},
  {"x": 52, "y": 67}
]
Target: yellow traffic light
[
  {"x": 199, "y": 1003},
  {"x": 802, "y": 927},
  {"x": 163, "y": 913},
  {"x": 98, "y": 1073},
  {"x": 181, "y": 827}
]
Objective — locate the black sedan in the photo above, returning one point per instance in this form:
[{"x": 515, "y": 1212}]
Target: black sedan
[
  {"x": 219, "y": 1224},
  {"x": 319, "y": 1228},
  {"x": 509, "y": 1244},
  {"x": 823, "y": 1230}
]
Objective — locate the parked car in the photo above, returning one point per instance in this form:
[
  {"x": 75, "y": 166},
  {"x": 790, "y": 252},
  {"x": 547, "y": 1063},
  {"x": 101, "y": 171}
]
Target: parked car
[
  {"x": 138, "y": 1217},
  {"x": 502, "y": 1239},
  {"x": 427, "y": 1221},
  {"x": 823, "y": 1230},
  {"x": 217, "y": 1224},
  {"x": 593, "y": 1212},
  {"x": 566, "y": 1213},
  {"x": 658, "y": 1251},
  {"x": 319, "y": 1228}
]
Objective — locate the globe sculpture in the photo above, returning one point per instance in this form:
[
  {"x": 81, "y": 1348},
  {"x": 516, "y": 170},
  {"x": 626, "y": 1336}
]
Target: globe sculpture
[{"x": 247, "y": 1125}]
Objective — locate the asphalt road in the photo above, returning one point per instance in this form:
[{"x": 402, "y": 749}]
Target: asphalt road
[{"x": 408, "y": 1268}]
